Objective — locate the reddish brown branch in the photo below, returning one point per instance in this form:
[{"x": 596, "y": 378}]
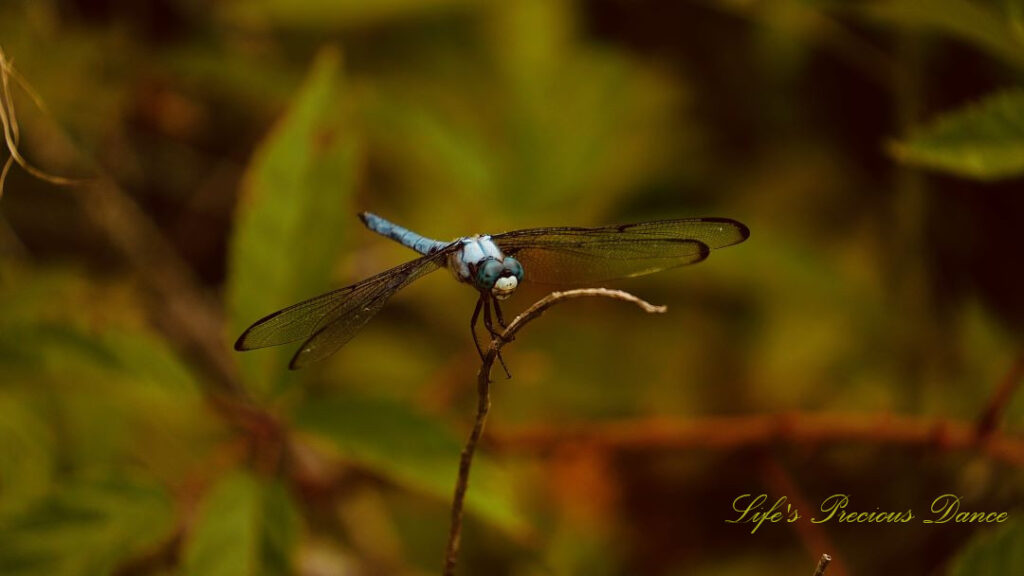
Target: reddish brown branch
[{"x": 727, "y": 433}]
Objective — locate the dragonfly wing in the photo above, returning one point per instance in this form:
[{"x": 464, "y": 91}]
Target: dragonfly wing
[
  {"x": 293, "y": 323},
  {"x": 343, "y": 322},
  {"x": 582, "y": 255},
  {"x": 328, "y": 321},
  {"x": 597, "y": 263}
]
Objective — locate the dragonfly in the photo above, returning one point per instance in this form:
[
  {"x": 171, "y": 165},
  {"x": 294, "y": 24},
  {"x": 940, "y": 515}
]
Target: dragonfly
[{"x": 494, "y": 265}]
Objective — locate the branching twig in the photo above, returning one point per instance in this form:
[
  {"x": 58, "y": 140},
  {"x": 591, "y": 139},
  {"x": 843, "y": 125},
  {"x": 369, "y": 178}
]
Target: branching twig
[
  {"x": 483, "y": 383},
  {"x": 822, "y": 565}
]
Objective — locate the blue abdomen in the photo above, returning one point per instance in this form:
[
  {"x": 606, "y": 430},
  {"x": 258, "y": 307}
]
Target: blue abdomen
[{"x": 404, "y": 236}]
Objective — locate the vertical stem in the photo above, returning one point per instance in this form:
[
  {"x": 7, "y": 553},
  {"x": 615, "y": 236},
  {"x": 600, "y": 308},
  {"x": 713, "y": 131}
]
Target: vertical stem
[
  {"x": 483, "y": 386},
  {"x": 822, "y": 565},
  {"x": 483, "y": 406}
]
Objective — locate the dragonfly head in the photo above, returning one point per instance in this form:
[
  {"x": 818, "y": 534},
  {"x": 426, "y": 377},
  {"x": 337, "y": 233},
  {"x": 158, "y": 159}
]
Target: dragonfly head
[{"x": 501, "y": 278}]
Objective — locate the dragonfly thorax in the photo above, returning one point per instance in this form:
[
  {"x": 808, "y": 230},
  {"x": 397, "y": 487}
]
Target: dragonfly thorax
[{"x": 480, "y": 263}]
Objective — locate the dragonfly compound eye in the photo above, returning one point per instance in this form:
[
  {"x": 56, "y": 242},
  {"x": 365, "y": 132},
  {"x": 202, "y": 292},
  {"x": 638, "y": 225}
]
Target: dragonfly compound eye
[
  {"x": 514, "y": 267},
  {"x": 488, "y": 273}
]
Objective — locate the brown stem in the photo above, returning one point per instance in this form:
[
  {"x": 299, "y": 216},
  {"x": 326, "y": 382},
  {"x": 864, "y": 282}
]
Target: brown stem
[
  {"x": 822, "y": 565},
  {"x": 483, "y": 384},
  {"x": 465, "y": 461}
]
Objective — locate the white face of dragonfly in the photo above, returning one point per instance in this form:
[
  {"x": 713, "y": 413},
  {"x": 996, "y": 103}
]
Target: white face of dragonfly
[
  {"x": 504, "y": 286},
  {"x": 481, "y": 263}
]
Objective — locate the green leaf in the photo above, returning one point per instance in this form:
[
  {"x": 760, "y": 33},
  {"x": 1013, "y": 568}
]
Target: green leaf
[
  {"x": 532, "y": 117},
  {"x": 293, "y": 209},
  {"x": 106, "y": 379},
  {"x": 580, "y": 124},
  {"x": 969, "y": 21},
  {"x": 247, "y": 526},
  {"x": 992, "y": 552},
  {"x": 413, "y": 451},
  {"x": 57, "y": 323},
  {"x": 87, "y": 387},
  {"x": 85, "y": 530},
  {"x": 983, "y": 141}
]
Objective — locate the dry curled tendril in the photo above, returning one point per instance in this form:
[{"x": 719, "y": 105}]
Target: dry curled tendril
[{"x": 11, "y": 129}]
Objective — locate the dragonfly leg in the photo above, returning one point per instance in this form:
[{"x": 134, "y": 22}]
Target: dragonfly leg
[
  {"x": 498, "y": 314},
  {"x": 472, "y": 326},
  {"x": 494, "y": 334},
  {"x": 501, "y": 320},
  {"x": 487, "y": 320}
]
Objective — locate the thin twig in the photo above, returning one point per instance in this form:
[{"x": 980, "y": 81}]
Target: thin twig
[
  {"x": 729, "y": 433},
  {"x": 192, "y": 316},
  {"x": 11, "y": 131},
  {"x": 8, "y": 118},
  {"x": 822, "y": 565},
  {"x": 993, "y": 413},
  {"x": 483, "y": 384}
]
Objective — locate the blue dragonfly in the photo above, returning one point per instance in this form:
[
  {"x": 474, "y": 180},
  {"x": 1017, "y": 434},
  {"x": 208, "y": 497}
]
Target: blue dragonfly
[{"x": 495, "y": 266}]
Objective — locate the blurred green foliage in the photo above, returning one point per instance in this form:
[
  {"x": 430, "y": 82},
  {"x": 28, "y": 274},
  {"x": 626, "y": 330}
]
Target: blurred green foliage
[
  {"x": 86, "y": 528},
  {"x": 250, "y": 134},
  {"x": 984, "y": 142},
  {"x": 246, "y": 525},
  {"x": 985, "y": 24},
  {"x": 412, "y": 451},
  {"x": 996, "y": 552}
]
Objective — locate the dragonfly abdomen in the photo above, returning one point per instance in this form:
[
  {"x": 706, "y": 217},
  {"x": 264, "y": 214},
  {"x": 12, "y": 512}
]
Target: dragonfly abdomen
[{"x": 403, "y": 236}]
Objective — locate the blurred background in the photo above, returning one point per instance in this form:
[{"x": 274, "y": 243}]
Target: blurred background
[{"x": 873, "y": 148}]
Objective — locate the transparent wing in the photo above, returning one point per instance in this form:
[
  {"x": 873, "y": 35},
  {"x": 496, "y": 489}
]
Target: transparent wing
[
  {"x": 568, "y": 255},
  {"x": 328, "y": 321}
]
